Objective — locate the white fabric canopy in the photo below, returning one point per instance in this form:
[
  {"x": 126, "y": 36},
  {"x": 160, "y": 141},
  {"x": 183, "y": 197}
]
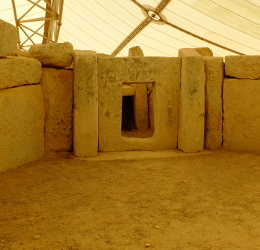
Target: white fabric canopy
[{"x": 226, "y": 26}]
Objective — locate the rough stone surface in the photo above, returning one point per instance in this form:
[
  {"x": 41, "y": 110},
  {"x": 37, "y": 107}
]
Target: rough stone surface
[
  {"x": 242, "y": 114},
  {"x": 204, "y": 51},
  {"x": 192, "y": 103},
  {"x": 57, "y": 55},
  {"x": 164, "y": 73},
  {"x": 8, "y": 39},
  {"x": 22, "y": 125},
  {"x": 57, "y": 87},
  {"x": 85, "y": 137},
  {"x": 188, "y": 52},
  {"x": 213, "y": 98},
  {"x": 242, "y": 66},
  {"x": 135, "y": 51},
  {"x": 17, "y": 71}
]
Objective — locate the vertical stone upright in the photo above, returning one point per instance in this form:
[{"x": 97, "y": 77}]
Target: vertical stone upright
[
  {"x": 85, "y": 105},
  {"x": 213, "y": 97},
  {"x": 141, "y": 96},
  {"x": 192, "y": 102}
]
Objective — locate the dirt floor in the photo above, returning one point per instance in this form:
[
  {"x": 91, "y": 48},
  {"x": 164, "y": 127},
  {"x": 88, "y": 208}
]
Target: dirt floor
[{"x": 133, "y": 200}]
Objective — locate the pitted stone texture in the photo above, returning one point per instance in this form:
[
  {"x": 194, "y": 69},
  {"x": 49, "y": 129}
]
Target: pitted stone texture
[
  {"x": 213, "y": 97},
  {"x": 192, "y": 103},
  {"x": 85, "y": 123},
  {"x": 22, "y": 125},
  {"x": 135, "y": 51},
  {"x": 243, "y": 66},
  {"x": 8, "y": 39},
  {"x": 164, "y": 73},
  {"x": 188, "y": 52},
  {"x": 57, "y": 55},
  {"x": 204, "y": 51},
  {"x": 17, "y": 71},
  {"x": 57, "y": 87},
  {"x": 242, "y": 114}
]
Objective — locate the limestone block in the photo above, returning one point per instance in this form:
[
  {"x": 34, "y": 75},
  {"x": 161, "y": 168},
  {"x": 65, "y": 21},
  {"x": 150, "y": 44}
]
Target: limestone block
[
  {"x": 85, "y": 139},
  {"x": 188, "y": 52},
  {"x": 192, "y": 104},
  {"x": 8, "y": 39},
  {"x": 242, "y": 66},
  {"x": 164, "y": 76},
  {"x": 128, "y": 90},
  {"x": 242, "y": 114},
  {"x": 57, "y": 85},
  {"x": 135, "y": 51},
  {"x": 204, "y": 51},
  {"x": 213, "y": 97},
  {"x": 141, "y": 106},
  {"x": 21, "y": 125},
  {"x": 57, "y": 55},
  {"x": 17, "y": 71}
]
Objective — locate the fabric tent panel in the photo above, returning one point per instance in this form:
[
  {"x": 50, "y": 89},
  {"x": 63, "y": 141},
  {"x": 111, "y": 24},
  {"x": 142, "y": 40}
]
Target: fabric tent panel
[{"x": 226, "y": 17}]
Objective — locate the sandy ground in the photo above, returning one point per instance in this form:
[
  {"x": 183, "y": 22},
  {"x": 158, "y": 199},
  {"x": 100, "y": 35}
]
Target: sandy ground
[{"x": 133, "y": 200}]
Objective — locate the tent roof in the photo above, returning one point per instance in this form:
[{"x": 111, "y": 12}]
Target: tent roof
[{"x": 227, "y": 27}]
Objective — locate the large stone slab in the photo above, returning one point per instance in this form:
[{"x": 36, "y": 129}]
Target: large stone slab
[
  {"x": 17, "y": 71},
  {"x": 22, "y": 125},
  {"x": 57, "y": 55},
  {"x": 85, "y": 138},
  {"x": 192, "y": 102},
  {"x": 8, "y": 39},
  {"x": 164, "y": 75},
  {"x": 242, "y": 114},
  {"x": 214, "y": 69},
  {"x": 243, "y": 66},
  {"x": 57, "y": 87}
]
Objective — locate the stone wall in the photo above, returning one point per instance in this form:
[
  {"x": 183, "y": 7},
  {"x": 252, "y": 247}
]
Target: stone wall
[{"x": 241, "y": 99}]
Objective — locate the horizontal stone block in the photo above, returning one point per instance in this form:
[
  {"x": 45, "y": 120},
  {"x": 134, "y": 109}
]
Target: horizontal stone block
[
  {"x": 242, "y": 66},
  {"x": 57, "y": 85},
  {"x": 17, "y": 71},
  {"x": 242, "y": 114},
  {"x": 8, "y": 39},
  {"x": 57, "y": 55},
  {"x": 22, "y": 125},
  {"x": 128, "y": 90}
]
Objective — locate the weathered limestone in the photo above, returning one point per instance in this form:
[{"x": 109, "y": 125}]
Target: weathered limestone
[
  {"x": 141, "y": 106},
  {"x": 85, "y": 138},
  {"x": 135, "y": 51},
  {"x": 213, "y": 97},
  {"x": 164, "y": 73},
  {"x": 21, "y": 125},
  {"x": 57, "y": 87},
  {"x": 8, "y": 39},
  {"x": 16, "y": 71},
  {"x": 204, "y": 51},
  {"x": 242, "y": 114},
  {"x": 141, "y": 96},
  {"x": 57, "y": 55},
  {"x": 243, "y": 66},
  {"x": 192, "y": 102}
]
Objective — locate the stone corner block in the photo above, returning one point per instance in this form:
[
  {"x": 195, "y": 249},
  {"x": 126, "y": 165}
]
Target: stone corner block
[
  {"x": 244, "y": 66},
  {"x": 17, "y": 71},
  {"x": 22, "y": 125},
  {"x": 57, "y": 55},
  {"x": 8, "y": 39},
  {"x": 135, "y": 51}
]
